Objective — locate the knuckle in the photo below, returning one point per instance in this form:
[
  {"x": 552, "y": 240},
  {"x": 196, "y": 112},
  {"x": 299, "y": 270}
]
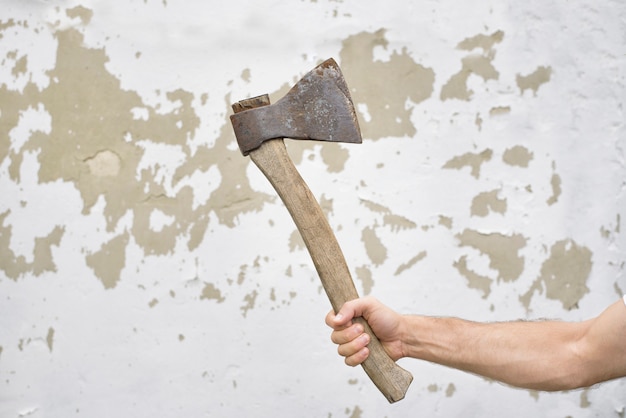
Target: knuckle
[{"x": 342, "y": 351}]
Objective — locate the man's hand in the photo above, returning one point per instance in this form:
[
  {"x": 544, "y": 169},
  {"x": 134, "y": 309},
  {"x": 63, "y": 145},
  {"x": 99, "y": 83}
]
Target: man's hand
[{"x": 352, "y": 340}]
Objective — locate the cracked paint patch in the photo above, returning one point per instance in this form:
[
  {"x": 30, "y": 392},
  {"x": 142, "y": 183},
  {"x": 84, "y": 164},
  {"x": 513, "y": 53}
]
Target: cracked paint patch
[
  {"x": 104, "y": 164},
  {"x": 97, "y": 139}
]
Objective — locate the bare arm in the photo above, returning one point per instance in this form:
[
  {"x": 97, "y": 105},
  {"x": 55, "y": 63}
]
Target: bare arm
[{"x": 545, "y": 355}]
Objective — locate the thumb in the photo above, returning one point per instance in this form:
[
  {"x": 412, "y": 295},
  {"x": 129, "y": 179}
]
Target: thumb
[{"x": 350, "y": 310}]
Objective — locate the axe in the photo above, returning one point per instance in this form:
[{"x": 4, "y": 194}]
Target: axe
[{"x": 319, "y": 108}]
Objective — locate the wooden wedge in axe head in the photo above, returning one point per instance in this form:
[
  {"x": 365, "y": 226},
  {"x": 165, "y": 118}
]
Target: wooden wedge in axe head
[{"x": 319, "y": 108}]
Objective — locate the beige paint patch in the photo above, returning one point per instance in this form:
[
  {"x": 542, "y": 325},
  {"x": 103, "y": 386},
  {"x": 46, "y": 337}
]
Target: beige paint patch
[
  {"x": 94, "y": 142},
  {"x": 374, "y": 207},
  {"x": 95, "y": 134},
  {"x": 395, "y": 222},
  {"x": 250, "y": 300},
  {"x": 474, "y": 64},
  {"x": 108, "y": 262},
  {"x": 389, "y": 104},
  {"x": 81, "y": 12},
  {"x": 210, "y": 292},
  {"x": 563, "y": 275},
  {"x": 326, "y": 205},
  {"x": 375, "y": 249},
  {"x": 413, "y": 261},
  {"x": 398, "y": 223},
  {"x": 245, "y": 75},
  {"x": 20, "y": 67},
  {"x": 502, "y": 250},
  {"x": 234, "y": 196},
  {"x": 450, "y": 390},
  {"x": 296, "y": 243},
  {"x": 92, "y": 122},
  {"x": 356, "y": 412},
  {"x": 481, "y": 41},
  {"x": 43, "y": 261},
  {"x": 499, "y": 110},
  {"x": 12, "y": 104},
  {"x": 5, "y": 25},
  {"x": 584, "y": 399},
  {"x": 456, "y": 87},
  {"x": 534, "y": 80},
  {"x": 334, "y": 156},
  {"x": 50, "y": 338},
  {"x": 610, "y": 232},
  {"x": 555, "y": 182},
  {"x": 517, "y": 156},
  {"x": 472, "y": 160},
  {"x": 162, "y": 241},
  {"x": 364, "y": 274},
  {"x": 104, "y": 164},
  {"x": 445, "y": 221},
  {"x": 475, "y": 281},
  {"x": 488, "y": 202},
  {"x": 478, "y": 121}
]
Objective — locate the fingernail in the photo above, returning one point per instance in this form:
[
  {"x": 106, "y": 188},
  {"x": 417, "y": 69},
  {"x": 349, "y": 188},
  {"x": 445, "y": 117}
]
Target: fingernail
[{"x": 338, "y": 317}]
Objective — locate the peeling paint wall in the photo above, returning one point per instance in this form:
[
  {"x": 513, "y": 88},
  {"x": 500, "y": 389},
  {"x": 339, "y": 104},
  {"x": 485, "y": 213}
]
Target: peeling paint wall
[{"x": 148, "y": 269}]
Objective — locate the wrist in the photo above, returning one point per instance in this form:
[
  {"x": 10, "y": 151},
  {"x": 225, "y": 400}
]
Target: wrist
[{"x": 409, "y": 329}]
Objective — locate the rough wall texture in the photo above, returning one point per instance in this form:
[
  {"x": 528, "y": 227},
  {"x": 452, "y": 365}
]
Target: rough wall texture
[{"x": 147, "y": 268}]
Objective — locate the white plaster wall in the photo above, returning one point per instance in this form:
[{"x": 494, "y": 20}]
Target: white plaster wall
[{"x": 146, "y": 269}]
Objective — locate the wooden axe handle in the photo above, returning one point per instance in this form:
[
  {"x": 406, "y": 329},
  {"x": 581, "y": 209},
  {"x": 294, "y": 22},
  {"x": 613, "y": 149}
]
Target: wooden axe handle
[{"x": 273, "y": 160}]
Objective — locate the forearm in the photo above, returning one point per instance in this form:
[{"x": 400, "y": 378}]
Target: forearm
[
  {"x": 534, "y": 355},
  {"x": 545, "y": 355}
]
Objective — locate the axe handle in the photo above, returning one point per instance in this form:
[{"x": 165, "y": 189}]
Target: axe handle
[{"x": 273, "y": 160}]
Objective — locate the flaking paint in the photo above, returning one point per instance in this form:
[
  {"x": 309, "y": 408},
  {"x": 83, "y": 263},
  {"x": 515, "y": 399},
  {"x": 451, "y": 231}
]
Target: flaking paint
[{"x": 464, "y": 121}]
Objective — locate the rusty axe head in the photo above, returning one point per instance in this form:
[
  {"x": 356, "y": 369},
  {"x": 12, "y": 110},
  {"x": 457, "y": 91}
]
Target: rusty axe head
[{"x": 318, "y": 107}]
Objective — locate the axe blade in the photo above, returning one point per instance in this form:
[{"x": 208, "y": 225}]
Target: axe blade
[{"x": 318, "y": 107}]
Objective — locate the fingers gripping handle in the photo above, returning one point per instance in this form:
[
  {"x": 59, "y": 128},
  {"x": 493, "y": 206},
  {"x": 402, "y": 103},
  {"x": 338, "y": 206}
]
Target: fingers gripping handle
[{"x": 273, "y": 160}]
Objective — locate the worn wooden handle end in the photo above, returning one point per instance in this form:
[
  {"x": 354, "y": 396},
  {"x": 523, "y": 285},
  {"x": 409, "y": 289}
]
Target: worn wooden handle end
[{"x": 392, "y": 380}]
